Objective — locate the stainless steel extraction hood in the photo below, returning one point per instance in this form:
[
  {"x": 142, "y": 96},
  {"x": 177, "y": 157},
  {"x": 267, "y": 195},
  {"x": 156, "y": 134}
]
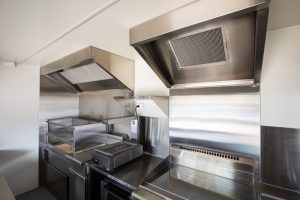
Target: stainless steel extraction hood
[
  {"x": 206, "y": 43},
  {"x": 91, "y": 69}
]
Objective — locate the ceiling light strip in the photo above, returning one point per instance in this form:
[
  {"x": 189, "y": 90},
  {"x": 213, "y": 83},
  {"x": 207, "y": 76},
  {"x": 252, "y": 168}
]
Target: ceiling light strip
[
  {"x": 73, "y": 27},
  {"x": 243, "y": 82}
]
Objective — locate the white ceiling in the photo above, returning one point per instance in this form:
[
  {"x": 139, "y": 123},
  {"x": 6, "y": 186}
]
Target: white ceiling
[{"x": 28, "y": 25}]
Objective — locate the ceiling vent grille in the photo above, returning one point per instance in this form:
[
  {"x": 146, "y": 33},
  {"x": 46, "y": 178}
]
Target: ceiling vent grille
[{"x": 199, "y": 49}]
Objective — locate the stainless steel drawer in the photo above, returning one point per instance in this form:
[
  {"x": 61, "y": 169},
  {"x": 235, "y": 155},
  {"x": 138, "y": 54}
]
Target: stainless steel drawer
[{"x": 56, "y": 161}]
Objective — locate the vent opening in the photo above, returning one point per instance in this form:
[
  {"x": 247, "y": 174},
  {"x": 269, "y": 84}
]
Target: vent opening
[
  {"x": 212, "y": 153},
  {"x": 202, "y": 48}
]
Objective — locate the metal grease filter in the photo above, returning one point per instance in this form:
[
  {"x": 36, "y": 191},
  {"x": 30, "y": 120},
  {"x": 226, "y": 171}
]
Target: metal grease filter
[
  {"x": 86, "y": 73},
  {"x": 198, "y": 49}
]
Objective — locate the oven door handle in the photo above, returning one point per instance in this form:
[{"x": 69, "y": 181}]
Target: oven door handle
[{"x": 106, "y": 188}]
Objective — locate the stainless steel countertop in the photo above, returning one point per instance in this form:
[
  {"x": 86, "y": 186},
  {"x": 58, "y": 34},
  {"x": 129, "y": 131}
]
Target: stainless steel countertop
[
  {"x": 77, "y": 160},
  {"x": 132, "y": 173},
  {"x": 179, "y": 182},
  {"x": 174, "y": 181}
]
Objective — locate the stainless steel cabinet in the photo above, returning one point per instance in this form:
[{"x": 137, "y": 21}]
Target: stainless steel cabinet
[
  {"x": 77, "y": 185},
  {"x": 55, "y": 181},
  {"x": 111, "y": 190},
  {"x": 53, "y": 174}
]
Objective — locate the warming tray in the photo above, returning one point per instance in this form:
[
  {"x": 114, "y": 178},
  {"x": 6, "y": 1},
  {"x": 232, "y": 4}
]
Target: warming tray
[
  {"x": 74, "y": 134},
  {"x": 112, "y": 156}
]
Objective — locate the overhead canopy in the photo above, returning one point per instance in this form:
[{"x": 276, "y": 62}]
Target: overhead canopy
[
  {"x": 91, "y": 69},
  {"x": 204, "y": 42}
]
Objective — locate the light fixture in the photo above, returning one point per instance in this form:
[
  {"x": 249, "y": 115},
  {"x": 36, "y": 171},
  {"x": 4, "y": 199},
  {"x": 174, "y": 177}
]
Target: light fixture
[
  {"x": 242, "y": 82},
  {"x": 7, "y": 63}
]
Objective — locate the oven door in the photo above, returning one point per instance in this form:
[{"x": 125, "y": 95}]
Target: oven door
[{"x": 113, "y": 191}]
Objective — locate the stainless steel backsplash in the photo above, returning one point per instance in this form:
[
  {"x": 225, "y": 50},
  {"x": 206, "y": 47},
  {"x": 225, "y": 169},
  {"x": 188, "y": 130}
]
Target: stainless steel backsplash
[
  {"x": 228, "y": 122},
  {"x": 56, "y": 104},
  {"x": 155, "y": 135},
  {"x": 281, "y": 157},
  {"x": 101, "y": 105}
]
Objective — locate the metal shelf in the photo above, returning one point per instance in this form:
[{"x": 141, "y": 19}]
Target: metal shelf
[{"x": 149, "y": 106}]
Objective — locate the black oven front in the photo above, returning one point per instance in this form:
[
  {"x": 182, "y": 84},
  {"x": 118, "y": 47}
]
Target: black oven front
[{"x": 111, "y": 190}]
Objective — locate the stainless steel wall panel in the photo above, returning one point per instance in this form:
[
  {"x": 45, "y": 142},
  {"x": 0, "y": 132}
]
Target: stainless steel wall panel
[
  {"x": 281, "y": 157},
  {"x": 101, "y": 105},
  {"x": 154, "y": 135},
  {"x": 55, "y": 102},
  {"x": 228, "y": 122},
  {"x": 56, "y": 105}
]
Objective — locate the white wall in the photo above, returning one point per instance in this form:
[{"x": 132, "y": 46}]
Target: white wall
[
  {"x": 147, "y": 82},
  {"x": 280, "y": 82},
  {"x": 19, "y": 107}
]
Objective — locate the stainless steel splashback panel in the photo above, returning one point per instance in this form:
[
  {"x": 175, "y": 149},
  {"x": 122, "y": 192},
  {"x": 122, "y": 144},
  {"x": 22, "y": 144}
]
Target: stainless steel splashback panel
[
  {"x": 281, "y": 157},
  {"x": 101, "y": 105},
  {"x": 224, "y": 121},
  {"x": 55, "y": 102},
  {"x": 154, "y": 135}
]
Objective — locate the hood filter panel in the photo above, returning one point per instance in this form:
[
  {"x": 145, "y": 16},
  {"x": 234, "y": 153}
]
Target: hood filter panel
[
  {"x": 199, "y": 49},
  {"x": 86, "y": 73}
]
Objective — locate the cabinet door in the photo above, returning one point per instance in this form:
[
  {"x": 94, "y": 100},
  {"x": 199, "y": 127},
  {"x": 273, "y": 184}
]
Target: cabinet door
[
  {"x": 55, "y": 181},
  {"x": 77, "y": 185}
]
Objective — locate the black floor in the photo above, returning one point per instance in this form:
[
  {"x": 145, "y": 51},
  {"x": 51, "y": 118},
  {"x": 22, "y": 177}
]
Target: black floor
[{"x": 40, "y": 193}]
